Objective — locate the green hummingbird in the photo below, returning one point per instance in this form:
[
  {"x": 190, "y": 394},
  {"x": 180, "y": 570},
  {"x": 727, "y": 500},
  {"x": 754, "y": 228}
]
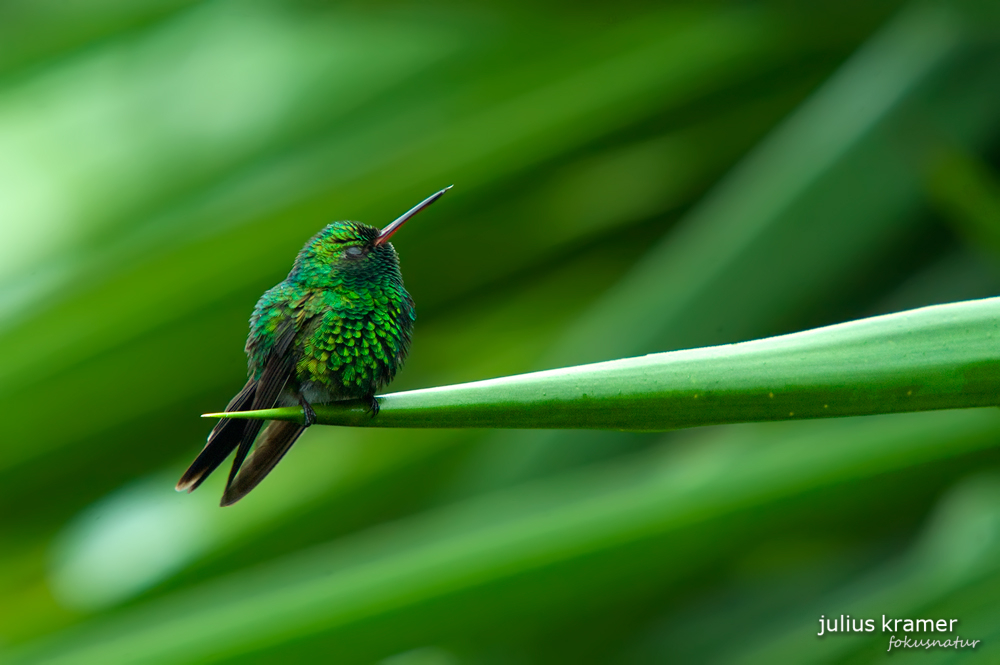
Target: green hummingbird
[{"x": 337, "y": 328}]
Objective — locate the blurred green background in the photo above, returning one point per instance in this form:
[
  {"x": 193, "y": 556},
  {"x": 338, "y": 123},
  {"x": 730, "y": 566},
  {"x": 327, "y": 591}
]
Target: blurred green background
[{"x": 629, "y": 177}]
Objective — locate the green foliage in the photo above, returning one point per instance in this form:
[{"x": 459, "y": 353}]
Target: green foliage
[{"x": 630, "y": 179}]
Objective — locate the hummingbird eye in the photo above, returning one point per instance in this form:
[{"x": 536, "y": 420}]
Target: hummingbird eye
[{"x": 353, "y": 252}]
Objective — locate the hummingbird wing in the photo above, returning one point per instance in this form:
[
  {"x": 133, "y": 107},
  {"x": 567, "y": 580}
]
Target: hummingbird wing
[
  {"x": 221, "y": 441},
  {"x": 229, "y": 433},
  {"x": 278, "y": 368},
  {"x": 275, "y": 442}
]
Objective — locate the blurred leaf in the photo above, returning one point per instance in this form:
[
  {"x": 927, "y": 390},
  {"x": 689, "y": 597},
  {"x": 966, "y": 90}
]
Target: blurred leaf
[
  {"x": 968, "y": 194},
  {"x": 391, "y": 575},
  {"x": 822, "y": 194},
  {"x": 35, "y": 31},
  {"x": 958, "y": 548}
]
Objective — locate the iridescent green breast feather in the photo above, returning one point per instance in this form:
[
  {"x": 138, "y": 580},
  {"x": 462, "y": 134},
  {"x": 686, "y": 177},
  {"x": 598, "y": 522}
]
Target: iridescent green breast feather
[{"x": 352, "y": 314}]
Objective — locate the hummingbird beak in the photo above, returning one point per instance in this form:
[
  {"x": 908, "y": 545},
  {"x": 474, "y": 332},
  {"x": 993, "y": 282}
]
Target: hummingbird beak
[{"x": 386, "y": 233}]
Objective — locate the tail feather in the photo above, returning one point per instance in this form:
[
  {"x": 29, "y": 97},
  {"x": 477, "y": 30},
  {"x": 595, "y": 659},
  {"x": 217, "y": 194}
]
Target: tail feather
[
  {"x": 269, "y": 386},
  {"x": 226, "y": 435},
  {"x": 229, "y": 434},
  {"x": 274, "y": 443}
]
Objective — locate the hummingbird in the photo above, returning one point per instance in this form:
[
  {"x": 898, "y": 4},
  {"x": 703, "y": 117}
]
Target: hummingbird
[{"x": 337, "y": 328}]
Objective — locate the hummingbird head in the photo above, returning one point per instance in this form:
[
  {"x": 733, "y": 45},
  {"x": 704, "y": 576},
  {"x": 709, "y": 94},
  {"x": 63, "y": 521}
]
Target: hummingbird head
[{"x": 352, "y": 252}]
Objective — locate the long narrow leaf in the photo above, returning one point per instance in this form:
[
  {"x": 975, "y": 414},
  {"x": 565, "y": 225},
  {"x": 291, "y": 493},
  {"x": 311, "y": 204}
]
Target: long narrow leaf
[{"x": 939, "y": 357}]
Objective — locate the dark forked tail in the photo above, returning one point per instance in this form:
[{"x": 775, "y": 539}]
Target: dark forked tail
[
  {"x": 226, "y": 435},
  {"x": 274, "y": 442},
  {"x": 261, "y": 393}
]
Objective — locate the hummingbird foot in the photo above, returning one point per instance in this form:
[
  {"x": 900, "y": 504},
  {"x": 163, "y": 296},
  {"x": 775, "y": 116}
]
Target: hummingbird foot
[
  {"x": 309, "y": 416},
  {"x": 374, "y": 407}
]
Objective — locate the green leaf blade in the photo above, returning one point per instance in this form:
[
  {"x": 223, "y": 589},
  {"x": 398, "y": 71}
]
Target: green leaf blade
[{"x": 939, "y": 357}]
